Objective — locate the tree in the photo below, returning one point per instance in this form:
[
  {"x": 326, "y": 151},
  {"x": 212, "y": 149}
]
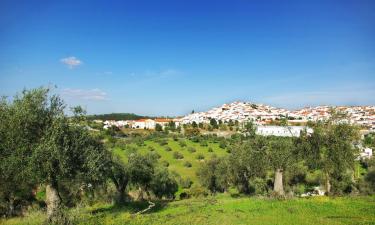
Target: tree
[
  {"x": 249, "y": 129},
  {"x": 120, "y": 176},
  {"x": 247, "y": 160},
  {"x": 213, "y": 175},
  {"x": 162, "y": 184},
  {"x": 41, "y": 145},
  {"x": 330, "y": 148},
  {"x": 213, "y": 123},
  {"x": 67, "y": 152},
  {"x": 158, "y": 127},
  {"x": 280, "y": 155},
  {"x": 141, "y": 170}
]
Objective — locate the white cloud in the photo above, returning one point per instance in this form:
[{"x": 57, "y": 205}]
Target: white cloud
[
  {"x": 71, "y": 62},
  {"x": 92, "y": 94}
]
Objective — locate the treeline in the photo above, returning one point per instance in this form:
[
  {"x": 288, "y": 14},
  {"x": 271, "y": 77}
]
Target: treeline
[
  {"x": 328, "y": 158},
  {"x": 116, "y": 116},
  {"x": 43, "y": 152}
]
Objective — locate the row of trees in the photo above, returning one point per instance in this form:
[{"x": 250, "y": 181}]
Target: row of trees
[
  {"x": 330, "y": 149},
  {"x": 41, "y": 147}
]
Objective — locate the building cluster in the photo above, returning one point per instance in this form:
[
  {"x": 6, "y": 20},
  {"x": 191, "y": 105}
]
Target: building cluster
[
  {"x": 264, "y": 114},
  {"x": 138, "y": 124}
]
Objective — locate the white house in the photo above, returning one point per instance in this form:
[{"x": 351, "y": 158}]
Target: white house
[{"x": 288, "y": 131}]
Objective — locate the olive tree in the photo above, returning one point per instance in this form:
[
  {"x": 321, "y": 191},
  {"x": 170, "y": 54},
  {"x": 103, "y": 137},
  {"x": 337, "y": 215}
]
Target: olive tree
[
  {"x": 247, "y": 160},
  {"x": 330, "y": 148},
  {"x": 281, "y": 156},
  {"x": 42, "y": 145}
]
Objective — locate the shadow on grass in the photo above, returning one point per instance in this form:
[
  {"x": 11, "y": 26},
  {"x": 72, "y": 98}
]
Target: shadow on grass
[{"x": 132, "y": 207}]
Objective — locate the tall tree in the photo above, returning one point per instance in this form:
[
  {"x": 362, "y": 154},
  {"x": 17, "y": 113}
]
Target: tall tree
[
  {"x": 330, "y": 148},
  {"x": 247, "y": 160},
  {"x": 47, "y": 147},
  {"x": 280, "y": 155},
  {"x": 120, "y": 176}
]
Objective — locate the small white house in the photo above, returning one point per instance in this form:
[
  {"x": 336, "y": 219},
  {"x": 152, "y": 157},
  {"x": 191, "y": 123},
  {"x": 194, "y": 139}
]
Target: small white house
[{"x": 287, "y": 131}]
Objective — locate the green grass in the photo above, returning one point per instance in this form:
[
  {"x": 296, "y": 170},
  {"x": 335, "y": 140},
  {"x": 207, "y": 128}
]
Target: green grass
[
  {"x": 225, "y": 210},
  {"x": 177, "y": 165}
]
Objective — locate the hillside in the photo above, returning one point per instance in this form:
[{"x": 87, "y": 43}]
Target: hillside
[{"x": 190, "y": 154}]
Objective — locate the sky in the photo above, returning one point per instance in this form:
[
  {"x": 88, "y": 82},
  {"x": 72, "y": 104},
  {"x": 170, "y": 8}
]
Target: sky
[{"x": 167, "y": 58}]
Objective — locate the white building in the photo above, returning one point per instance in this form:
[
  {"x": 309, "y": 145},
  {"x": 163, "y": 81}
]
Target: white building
[{"x": 288, "y": 131}]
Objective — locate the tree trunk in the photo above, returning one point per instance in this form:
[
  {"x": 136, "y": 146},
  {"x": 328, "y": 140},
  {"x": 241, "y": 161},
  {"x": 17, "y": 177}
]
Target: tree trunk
[
  {"x": 327, "y": 184},
  {"x": 11, "y": 210},
  {"x": 53, "y": 202},
  {"x": 278, "y": 183}
]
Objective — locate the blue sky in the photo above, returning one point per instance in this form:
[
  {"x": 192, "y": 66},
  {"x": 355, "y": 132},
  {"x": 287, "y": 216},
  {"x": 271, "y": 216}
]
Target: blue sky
[{"x": 169, "y": 57}]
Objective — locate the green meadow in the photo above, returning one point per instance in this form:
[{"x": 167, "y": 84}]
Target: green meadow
[{"x": 224, "y": 210}]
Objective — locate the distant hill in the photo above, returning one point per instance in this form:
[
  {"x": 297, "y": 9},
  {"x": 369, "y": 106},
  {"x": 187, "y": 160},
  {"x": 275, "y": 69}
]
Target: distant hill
[{"x": 116, "y": 116}]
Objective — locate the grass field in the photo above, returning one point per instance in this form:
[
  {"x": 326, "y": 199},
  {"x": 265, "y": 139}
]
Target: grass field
[
  {"x": 177, "y": 165},
  {"x": 225, "y": 210}
]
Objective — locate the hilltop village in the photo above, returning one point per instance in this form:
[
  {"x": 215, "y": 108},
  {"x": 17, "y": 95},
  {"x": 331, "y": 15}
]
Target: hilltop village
[{"x": 264, "y": 116}]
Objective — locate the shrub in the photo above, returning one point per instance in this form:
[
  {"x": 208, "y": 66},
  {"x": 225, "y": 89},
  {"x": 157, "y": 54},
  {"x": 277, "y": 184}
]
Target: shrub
[
  {"x": 198, "y": 192},
  {"x": 192, "y": 149},
  {"x": 165, "y": 163},
  {"x": 210, "y": 149},
  {"x": 151, "y": 149},
  {"x": 182, "y": 143},
  {"x": 223, "y": 144},
  {"x": 163, "y": 142},
  {"x": 177, "y": 155},
  {"x": 184, "y": 195},
  {"x": 203, "y": 143},
  {"x": 187, "y": 164},
  {"x": 168, "y": 149},
  {"x": 185, "y": 183},
  {"x": 200, "y": 156}
]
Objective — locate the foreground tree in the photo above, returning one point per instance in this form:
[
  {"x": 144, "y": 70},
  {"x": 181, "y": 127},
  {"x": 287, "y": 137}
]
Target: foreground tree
[
  {"x": 281, "y": 156},
  {"x": 330, "y": 148},
  {"x": 213, "y": 174},
  {"x": 120, "y": 176},
  {"x": 51, "y": 147},
  {"x": 247, "y": 160}
]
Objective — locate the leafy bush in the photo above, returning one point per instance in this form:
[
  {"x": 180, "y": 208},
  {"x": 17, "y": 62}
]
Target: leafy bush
[
  {"x": 197, "y": 192},
  {"x": 163, "y": 142},
  {"x": 210, "y": 149},
  {"x": 168, "y": 149},
  {"x": 177, "y": 155},
  {"x": 203, "y": 143},
  {"x": 182, "y": 143},
  {"x": 188, "y": 164},
  {"x": 200, "y": 156},
  {"x": 185, "y": 182},
  {"x": 165, "y": 163},
  {"x": 151, "y": 149},
  {"x": 162, "y": 184},
  {"x": 192, "y": 149}
]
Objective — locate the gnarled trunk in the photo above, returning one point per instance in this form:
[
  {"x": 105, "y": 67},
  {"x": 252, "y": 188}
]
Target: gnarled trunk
[
  {"x": 327, "y": 184},
  {"x": 278, "y": 183},
  {"x": 53, "y": 202}
]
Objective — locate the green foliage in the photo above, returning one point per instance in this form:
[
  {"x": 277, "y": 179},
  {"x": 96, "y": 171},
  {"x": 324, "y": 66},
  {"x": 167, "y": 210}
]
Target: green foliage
[
  {"x": 158, "y": 127},
  {"x": 247, "y": 160},
  {"x": 115, "y": 116},
  {"x": 213, "y": 175},
  {"x": 178, "y": 155},
  {"x": 200, "y": 156},
  {"x": 191, "y": 149},
  {"x": 162, "y": 184},
  {"x": 187, "y": 164}
]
